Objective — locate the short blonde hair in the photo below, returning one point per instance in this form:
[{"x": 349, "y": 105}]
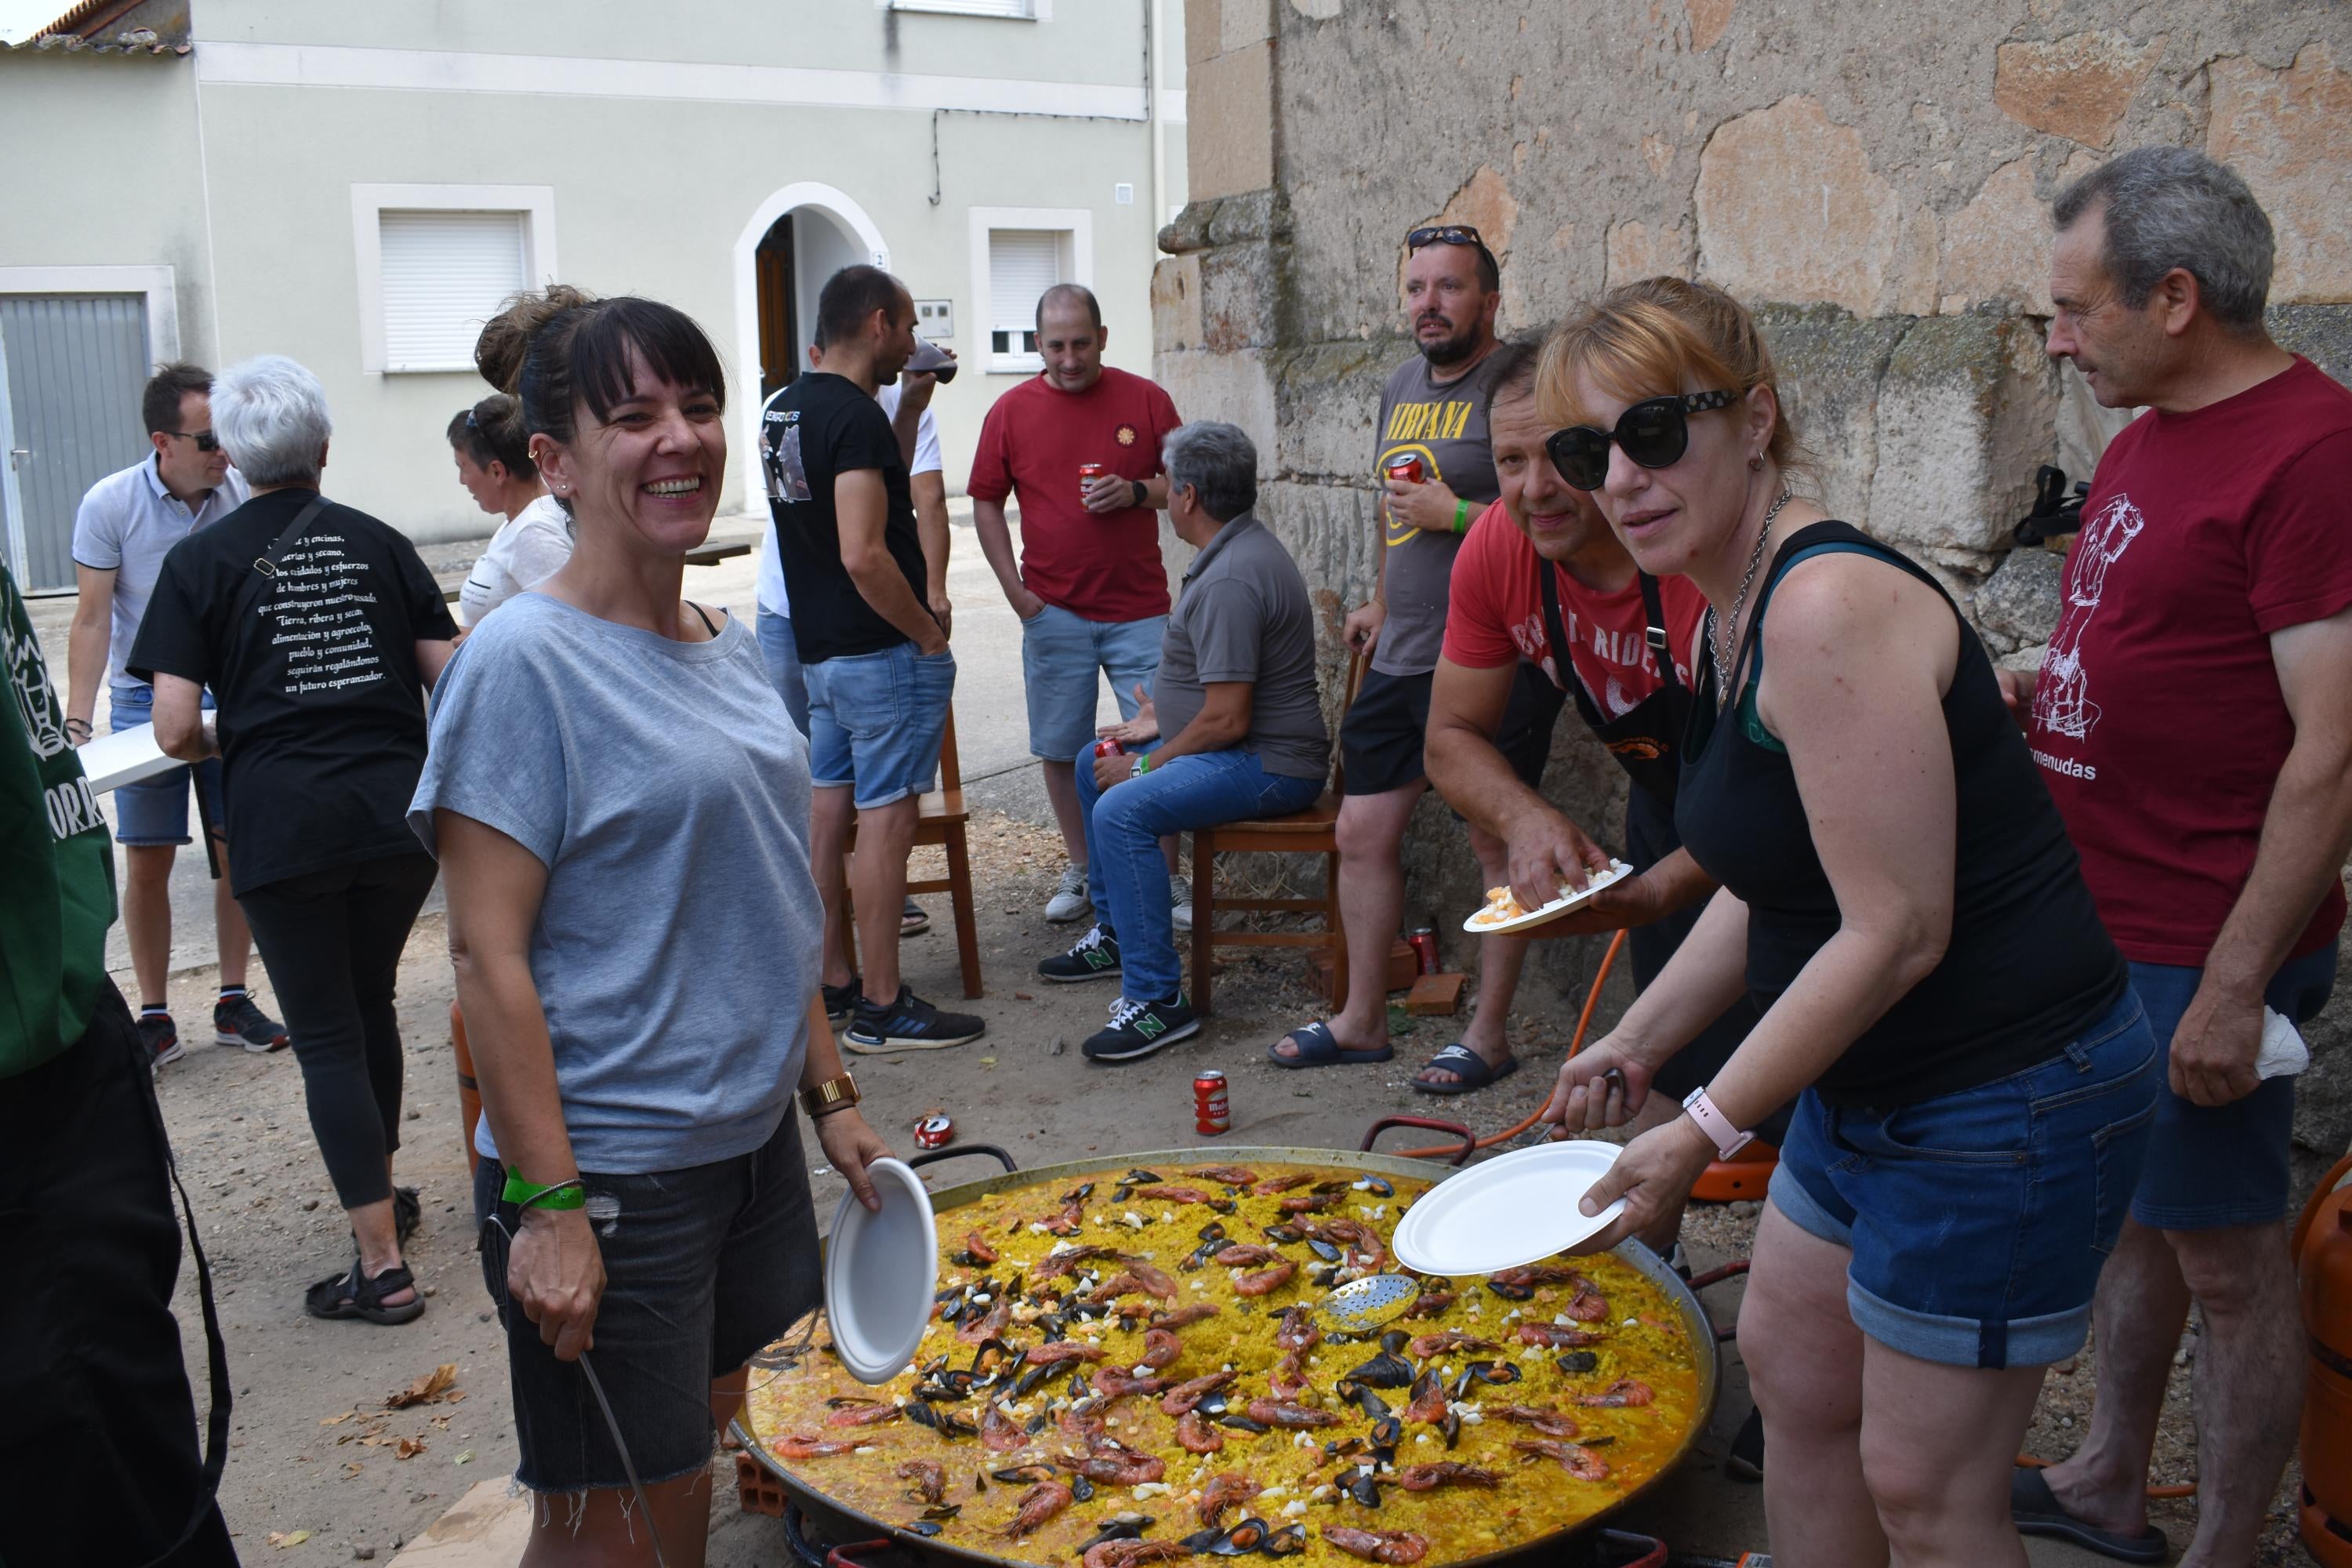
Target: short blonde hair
[{"x": 1657, "y": 337}]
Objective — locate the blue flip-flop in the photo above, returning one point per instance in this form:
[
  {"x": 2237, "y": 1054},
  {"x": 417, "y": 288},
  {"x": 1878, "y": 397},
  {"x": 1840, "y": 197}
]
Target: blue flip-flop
[
  {"x": 1319, "y": 1047},
  {"x": 1470, "y": 1071}
]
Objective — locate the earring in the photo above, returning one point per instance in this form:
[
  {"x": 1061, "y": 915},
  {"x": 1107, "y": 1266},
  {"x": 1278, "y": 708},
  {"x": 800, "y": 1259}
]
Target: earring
[{"x": 1756, "y": 460}]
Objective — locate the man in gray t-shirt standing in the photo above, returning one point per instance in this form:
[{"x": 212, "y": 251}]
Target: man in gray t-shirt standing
[{"x": 1233, "y": 731}]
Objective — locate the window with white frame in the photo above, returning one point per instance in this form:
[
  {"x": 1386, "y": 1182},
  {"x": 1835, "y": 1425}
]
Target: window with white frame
[
  {"x": 1017, "y": 254},
  {"x": 436, "y": 261}
]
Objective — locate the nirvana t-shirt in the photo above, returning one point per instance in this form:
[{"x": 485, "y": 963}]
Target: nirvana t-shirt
[
  {"x": 55, "y": 861},
  {"x": 1498, "y": 618},
  {"x": 1244, "y": 615},
  {"x": 322, "y": 708},
  {"x": 1099, "y": 567},
  {"x": 2158, "y": 720},
  {"x": 1444, "y": 424},
  {"x": 819, "y": 427}
]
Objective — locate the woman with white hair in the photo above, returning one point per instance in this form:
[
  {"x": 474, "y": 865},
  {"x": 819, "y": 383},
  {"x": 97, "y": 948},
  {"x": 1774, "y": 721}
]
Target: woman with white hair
[{"x": 318, "y": 630}]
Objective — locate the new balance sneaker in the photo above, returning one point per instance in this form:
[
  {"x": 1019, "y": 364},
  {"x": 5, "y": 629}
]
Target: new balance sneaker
[
  {"x": 1139, "y": 1029},
  {"x": 909, "y": 1024},
  {"x": 1069, "y": 900},
  {"x": 1179, "y": 902},
  {"x": 1094, "y": 956},
  {"x": 161, "y": 1036},
  {"x": 237, "y": 1022},
  {"x": 840, "y": 1001}
]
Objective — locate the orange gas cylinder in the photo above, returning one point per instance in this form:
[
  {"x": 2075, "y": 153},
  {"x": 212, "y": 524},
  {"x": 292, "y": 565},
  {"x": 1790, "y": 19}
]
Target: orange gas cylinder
[
  {"x": 1744, "y": 1175},
  {"x": 2323, "y": 1254},
  {"x": 469, "y": 1093}
]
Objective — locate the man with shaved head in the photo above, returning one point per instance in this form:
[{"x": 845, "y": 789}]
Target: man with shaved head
[{"x": 1078, "y": 448}]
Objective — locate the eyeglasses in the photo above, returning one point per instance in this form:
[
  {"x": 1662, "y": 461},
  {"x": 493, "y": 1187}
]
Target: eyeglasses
[
  {"x": 1444, "y": 234},
  {"x": 205, "y": 440},
  {"x": 1654, "y": 433}
]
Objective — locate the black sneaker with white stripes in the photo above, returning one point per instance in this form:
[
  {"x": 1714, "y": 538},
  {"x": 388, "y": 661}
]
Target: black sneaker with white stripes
[
  {"x": 1094, "y": 956},
  {"x": 1139, "y": 1029},
  {"x": 840, "y": 1001},
  {"x": 908, "y": 1024}
]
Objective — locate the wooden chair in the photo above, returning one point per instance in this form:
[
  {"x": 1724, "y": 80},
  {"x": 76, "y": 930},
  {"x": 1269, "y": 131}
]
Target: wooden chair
[
  {"x": 940, "y": 818},
  {"x": 1313, "y": 831}
]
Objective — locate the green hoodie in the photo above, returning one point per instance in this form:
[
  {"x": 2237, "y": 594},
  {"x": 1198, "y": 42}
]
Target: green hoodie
[{"x": 56, "y": 861}]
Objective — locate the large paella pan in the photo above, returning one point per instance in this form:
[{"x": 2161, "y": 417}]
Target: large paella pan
[{"x": 1124, "y": 1368}]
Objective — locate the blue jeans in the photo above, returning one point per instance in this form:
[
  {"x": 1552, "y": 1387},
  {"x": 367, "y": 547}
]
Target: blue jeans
[
  {"x": 876, "y": 720},
  {"x": 1127, "y": 876},
  {"x": 784, "y": 659},
  {"x": 1979, "y": 1220},
  {"x": 2214, "y": 1166},
  {"x": 155, "y": 811},
  {"x": 1060, "y": 653}
]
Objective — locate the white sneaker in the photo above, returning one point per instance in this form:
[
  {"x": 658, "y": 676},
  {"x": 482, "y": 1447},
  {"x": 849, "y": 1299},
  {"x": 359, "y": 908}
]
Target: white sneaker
[
  {"x": 1069, "y": 900},
  {"x": 1180, "y": 901}
]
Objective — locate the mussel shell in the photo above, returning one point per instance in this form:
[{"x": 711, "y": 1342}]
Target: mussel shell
[
  {"x": 1242, "y": 1424},
  {"x": 1597, "y": 1442},
  {"x": 1121, "y": 1527},
  {"x": 1336, "y": 1185},
  {"x": 1238, "y": 1540},
  {"x": 1387, "y": 1432},
  {"x": 1288, "y": 1541},
  {"x": 1081, "y": 1488},
  {"x": 1213, "y": 1231},
  {"x": 923, "y": 1527},
  {"x": 943, "y": 1511},
  {"x": 1361, "y": 1485},
  {"x": 1224, "y": 1205},
  {"x": 1386, "y": 1370},
  {"x": 1370, "y": 1403},
  {"x": 1031, "y": 1376},
  {"x": 1028, "y": 1475},
  {"x": 1492, "y": 1372},
  {"x": 1079, "y": 1387},
  {"x": 1213, "y": 1404},
  {"x": 1512, "y": 1292},
  {"x": 963, "y": 1257},
  {"x": 1323, "y": 1249},
  {"x": 1078, "y": 1193},
  {"x": 1144, "y": 1178},
  {"x": 992, "y": 1356},
  {"x": 1324, "y": 1276},
  {"x": 849, "y": 1401},
  {"x": 1121, "y": 1194},
  {"x": 1451, "y": 1425},
  {"x": 1346, "y": 1447},
  {"x": 1036, "y": 1423},
  {"x": 1379, "y": 1185},
  {"x": 1576, "y": 1363},
  {"x": 1284, "y": 1232},
  {"x": 954, "y": 1310}
]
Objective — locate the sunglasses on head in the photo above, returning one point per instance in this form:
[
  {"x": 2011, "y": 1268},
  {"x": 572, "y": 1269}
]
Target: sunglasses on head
[
  {"x": 205, "y": 440},
  {"x": 1443, "y": 234},
  {"x": 1654, "y": 433}
]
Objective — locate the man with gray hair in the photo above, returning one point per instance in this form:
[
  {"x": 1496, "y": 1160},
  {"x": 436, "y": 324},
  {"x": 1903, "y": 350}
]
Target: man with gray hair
[
  {"x": 2193, "y": 720},
  {"x": 1234, "y": 730}
]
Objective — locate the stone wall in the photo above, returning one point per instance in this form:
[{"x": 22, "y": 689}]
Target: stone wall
[{"x": 1873, "y": 176}]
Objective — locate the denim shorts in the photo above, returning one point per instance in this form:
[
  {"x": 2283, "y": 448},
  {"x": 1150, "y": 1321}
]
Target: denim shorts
[
  {"x": 1060, "y": 654},
  {"x": 155, "y": 811},
  {"x": 876, "y": 720},
  {"x": 2214, "y": 1166},
  {"x": 783, "y": 656},
  {"x": 1979, "y": 1221},
  {"x": 703, "y": 1269}
]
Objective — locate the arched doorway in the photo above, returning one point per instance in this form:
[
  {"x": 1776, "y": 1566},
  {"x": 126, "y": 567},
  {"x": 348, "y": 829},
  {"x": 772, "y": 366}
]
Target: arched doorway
[{"x": 800, "y": 236}]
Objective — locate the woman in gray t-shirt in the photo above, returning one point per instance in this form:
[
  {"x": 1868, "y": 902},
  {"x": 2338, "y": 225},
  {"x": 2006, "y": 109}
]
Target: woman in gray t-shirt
[{"x": 621, "y": 809}]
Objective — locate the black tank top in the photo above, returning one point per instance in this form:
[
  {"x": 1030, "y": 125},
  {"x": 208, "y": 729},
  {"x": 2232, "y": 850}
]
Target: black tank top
[{"x": 2028, "y": 965}]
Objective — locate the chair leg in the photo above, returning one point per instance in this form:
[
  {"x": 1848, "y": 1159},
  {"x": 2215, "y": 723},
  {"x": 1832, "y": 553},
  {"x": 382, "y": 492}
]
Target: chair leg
[
  {"x": 1337, "y": 925},
  {"x": 1205, "y": 914},
  {"x": 960, "y": 895}
]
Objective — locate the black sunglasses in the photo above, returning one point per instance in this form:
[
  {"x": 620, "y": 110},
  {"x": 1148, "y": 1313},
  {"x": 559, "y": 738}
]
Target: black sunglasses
[
  {"x": 1444, "y": 234},
  {"x": 205, "y": 440},
  {"x": 1654, "y": 433}
]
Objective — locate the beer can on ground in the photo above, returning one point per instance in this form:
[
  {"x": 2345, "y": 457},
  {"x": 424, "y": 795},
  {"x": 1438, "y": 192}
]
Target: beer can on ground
[
  {"x": 1408, "y": 467},
  {"x": 1422, "y": 940},
  {"x": 1107, "y": 747},
  {"x": 934, "y": 1131},
  {"x": 1211, "y": 1110}
]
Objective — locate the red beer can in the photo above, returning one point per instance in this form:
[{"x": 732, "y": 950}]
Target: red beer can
[
  {"x": 1107, "y": 747},
  {"x": 1422, "y": 940},
  {"x": 1211, "y": 1110},
  {"x": 1089, "y": 472},
  {"x": 934, "y": 1131},
  {"x": 1408, "y": 467}
]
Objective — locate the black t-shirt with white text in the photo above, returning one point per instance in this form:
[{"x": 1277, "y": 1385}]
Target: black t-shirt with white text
[
  {"x": 820, "y": 426},
  {"x": 321, "y": 706}
]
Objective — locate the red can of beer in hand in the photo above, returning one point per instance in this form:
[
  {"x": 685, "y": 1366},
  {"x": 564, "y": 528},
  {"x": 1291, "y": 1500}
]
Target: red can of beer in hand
[
  {"x": 1408, "y": 467},
  {"x": 1087, "y": 474},
  {"x": 1212, "y": 1112},
  {"x": 1107, "y": 747},
  {"x": 1422, "y": 940}
]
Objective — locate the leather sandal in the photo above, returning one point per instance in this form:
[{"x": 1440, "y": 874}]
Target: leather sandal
[{"x": 353, "y": 1294}]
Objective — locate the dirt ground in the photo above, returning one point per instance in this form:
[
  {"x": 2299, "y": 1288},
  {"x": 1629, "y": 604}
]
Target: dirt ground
[{"x": 315, "y": 1449}]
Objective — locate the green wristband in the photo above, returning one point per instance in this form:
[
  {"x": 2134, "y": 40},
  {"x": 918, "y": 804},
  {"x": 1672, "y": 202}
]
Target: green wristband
[
  {"x": 1143, "y": 766},
  {"x": 1461, "y": 517},
  {"x": 568, "y": 1195}
]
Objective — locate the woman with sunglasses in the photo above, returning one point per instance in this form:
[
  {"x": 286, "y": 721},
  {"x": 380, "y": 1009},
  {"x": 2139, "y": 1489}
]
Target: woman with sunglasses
[{"x": 1901, "y": 901}]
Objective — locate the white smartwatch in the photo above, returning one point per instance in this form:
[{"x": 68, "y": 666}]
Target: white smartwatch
[{"x": 1727, "y": 1140}]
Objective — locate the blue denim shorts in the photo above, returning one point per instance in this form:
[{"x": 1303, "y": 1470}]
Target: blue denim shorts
[
  {"x": 783, "y": 656},
  {"x": 1979, "y": 1221},
  {"x": 1060, "y": 654},
  {"x": 876, "y": 720},
  {"x": 155, "y": 811},
  {"x": 2214, "y": 1166},
  {"x": 703, "y": 1269}
]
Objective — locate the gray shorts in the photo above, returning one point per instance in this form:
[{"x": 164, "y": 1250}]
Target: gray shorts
[{"x": 703, "y": 1267}]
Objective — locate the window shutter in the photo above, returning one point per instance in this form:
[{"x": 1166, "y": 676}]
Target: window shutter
[
  {"x": 445, "y": 273},
  {"x": 1022, "y": 263}
]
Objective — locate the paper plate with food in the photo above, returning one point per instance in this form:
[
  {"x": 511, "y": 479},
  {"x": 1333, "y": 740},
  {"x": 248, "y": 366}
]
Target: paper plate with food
[{"x": 1503, "y": 912}]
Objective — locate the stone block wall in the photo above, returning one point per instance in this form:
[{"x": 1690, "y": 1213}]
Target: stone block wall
[{"x": 1872, "y": 177}]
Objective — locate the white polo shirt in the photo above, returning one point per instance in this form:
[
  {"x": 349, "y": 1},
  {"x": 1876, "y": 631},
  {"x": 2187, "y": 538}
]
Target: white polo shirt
[
  {"x": 773, "y": 599},
  {"x": 127, "y": 524}
]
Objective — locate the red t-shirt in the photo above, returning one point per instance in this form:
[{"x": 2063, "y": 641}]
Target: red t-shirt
[
  {"x": 1494, "y": 616},
  {"x": 2158, "y": 720},
  {"x": 1099, "y": 567}
]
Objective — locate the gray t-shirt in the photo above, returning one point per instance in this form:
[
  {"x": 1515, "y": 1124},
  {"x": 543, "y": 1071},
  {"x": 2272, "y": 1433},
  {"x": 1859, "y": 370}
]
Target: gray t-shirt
[
  {"x": 667, "y": 794},
  {"x": 1445, "y": 423},
  {"x": 1243, "y": 614},
  {"x": 126, "y": 524}
]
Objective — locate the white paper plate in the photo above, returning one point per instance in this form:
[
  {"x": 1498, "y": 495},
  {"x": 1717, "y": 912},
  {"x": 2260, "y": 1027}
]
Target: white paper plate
[
  {"x": 125, "y": 757},
  {"x": 1618, "y": 872},
  {"x": 881, "y": 1270},
  {"x": 1519, "y": 1208}
]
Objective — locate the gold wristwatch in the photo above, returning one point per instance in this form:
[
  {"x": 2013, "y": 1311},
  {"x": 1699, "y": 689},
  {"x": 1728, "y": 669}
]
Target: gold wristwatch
[{"x": 837, "y": 1093}]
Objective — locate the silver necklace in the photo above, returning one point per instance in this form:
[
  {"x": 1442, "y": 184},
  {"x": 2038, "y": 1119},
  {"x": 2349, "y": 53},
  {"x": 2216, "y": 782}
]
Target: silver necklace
[{"x": 1719, "y": 643}]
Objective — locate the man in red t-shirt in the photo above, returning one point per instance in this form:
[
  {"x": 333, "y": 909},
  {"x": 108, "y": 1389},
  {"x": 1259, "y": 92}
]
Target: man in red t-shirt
[
  {"x": 2193, "y": 720},
  {"x": 1088, "y": 585}
]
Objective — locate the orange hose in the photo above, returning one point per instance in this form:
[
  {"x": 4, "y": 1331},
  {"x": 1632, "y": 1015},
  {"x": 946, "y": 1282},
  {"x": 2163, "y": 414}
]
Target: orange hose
[{"x": 1575, "y": 1044}]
